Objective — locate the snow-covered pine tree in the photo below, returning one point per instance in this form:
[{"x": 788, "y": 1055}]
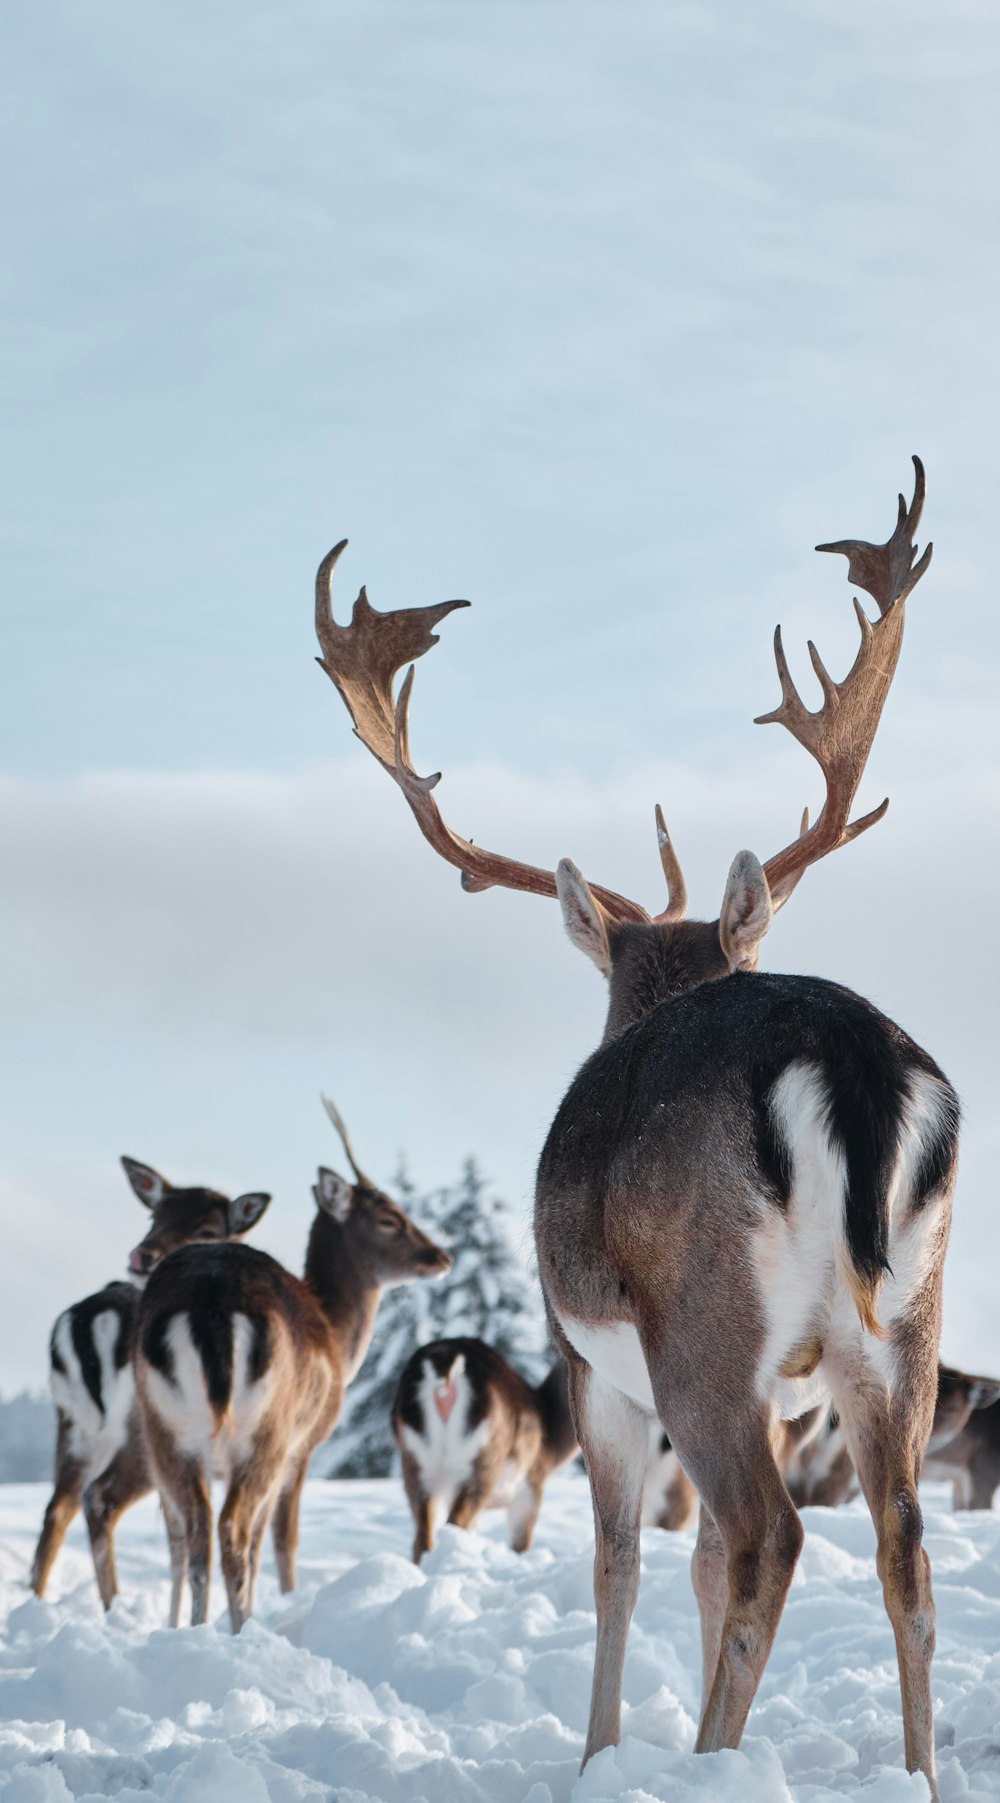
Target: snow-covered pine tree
[{"x": 490, "y": 1292}]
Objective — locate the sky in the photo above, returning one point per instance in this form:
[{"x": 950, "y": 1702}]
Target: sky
[{"x": 600, "y": 317}]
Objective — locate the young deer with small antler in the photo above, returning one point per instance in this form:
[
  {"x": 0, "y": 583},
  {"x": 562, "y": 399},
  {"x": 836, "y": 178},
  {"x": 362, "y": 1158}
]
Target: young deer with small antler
[
  {"x": 241, "y": 1370},
  {"x": 100, "y": 1454},
  {"x": 474, "y": 1435},
  {"x": 744, "y": 1200}
]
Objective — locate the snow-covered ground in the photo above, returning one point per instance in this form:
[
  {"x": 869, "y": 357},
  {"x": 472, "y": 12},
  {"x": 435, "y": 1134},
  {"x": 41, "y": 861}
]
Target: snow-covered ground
[{"x": 468, "y": 1680}]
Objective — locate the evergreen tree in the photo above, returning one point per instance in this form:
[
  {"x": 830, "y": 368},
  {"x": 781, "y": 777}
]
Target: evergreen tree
[{"x": 490, "y": 1293}]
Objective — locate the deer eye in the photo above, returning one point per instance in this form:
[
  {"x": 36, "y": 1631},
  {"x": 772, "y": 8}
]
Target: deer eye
[{"x": 386, "y": 1224}]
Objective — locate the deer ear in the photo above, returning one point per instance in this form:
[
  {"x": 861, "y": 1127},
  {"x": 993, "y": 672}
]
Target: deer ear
[
  {"x": 149, "y": 1186},
  {"x": 583, "y": 917},
  {"x": 983, "y": 1393},
  {"x": 746, "y": 912},
  {"x": 333, "y": 1194},
  {"x": 246, "y": 1211}
]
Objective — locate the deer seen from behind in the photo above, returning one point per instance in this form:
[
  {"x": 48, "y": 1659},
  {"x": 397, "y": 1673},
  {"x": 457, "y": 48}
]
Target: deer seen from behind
[
  {"x": 743, "y": 1203},
  {"x": 241, "y": 1370},
  {"x": 100, "y": 1454},
  {"x": 474, "y": 1435}
]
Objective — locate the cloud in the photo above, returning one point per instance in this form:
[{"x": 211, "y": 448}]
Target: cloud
[{"x": 190, "y": 958}]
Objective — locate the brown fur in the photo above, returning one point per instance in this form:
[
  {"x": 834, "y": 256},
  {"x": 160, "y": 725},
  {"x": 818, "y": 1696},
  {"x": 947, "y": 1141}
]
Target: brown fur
[
  {"x": 311, "y": 1335},
  {"x": 531, "y": 1430},
  {"x": 180, "y": 1215}
]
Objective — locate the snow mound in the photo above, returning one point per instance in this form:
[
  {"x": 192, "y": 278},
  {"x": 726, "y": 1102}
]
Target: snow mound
[{"x": 468, "y": 1681}]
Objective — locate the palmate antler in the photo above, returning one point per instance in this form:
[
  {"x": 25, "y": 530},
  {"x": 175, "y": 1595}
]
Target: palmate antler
[
  {"x": 840, "y": 734},
  {"x": 362, "y": 660}
]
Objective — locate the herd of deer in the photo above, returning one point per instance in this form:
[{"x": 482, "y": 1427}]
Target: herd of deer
[{"x": 741, "y": 1217}]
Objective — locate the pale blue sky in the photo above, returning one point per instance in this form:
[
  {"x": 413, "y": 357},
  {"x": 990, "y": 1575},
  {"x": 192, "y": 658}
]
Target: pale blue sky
[{"x": 599, "y": 315}]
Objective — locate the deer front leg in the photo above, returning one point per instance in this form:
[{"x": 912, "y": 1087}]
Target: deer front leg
[{"x": 614, "y": 1438}]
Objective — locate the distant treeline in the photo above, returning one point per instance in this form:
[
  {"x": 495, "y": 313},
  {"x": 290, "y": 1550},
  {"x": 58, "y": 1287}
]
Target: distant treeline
[{"x": 27, "y": 1437}]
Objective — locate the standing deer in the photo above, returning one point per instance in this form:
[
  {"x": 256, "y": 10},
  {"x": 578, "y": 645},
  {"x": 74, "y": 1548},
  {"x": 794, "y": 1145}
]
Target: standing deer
[
  {"x": 473, "y": 1435},
  {"x": 743, "y": 1202},
  {"x": 100, "y": 1454},
  {"x": 241, "y": 1370}
]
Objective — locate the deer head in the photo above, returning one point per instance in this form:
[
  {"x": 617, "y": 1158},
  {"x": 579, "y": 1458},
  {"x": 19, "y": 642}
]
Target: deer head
[
  {"x": 649, "y": 956},
  {"x": 381, "y": 1235},
  {"x": 181, "y": 1216}
]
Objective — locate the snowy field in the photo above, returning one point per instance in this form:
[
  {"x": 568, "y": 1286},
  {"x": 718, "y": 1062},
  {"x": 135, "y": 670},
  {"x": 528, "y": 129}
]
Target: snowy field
[{"x": 468, "y": 1681}]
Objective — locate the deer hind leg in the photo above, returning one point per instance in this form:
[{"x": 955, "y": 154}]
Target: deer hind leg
[
  {"x": 423, "y": 1507},
  {"x": 249, "y": 1501},
  {"x": 187, "y": 1508},
  {"x": 886, "y": 1433},
  {"x": 614, "y": 1438},
  {"x": 63, "y": 1507},
  {"x": 104, "y": 1503},
  {"x": 760, "y": 1536},
  {"x": 472, "y": 1497},
  {"x": 286, "y": 1525}
]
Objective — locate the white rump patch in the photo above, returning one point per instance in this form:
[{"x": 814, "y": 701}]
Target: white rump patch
[
  {"x": 914, "y": 1236},
  {"x": 796, "y": 1249},
  {"x": 445, "y": 1450},
  {"x": 613, "y": 1351},
  {"x": 95, "y": 1437},
  {"x": 183, "y": 1406}
]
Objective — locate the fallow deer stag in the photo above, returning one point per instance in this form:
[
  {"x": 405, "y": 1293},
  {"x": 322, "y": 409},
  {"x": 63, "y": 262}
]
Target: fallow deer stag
[
  {"x": 241, "y": 1370},
  {"x": 474, "y": 1435},
  {"x": 100, "y": 1455},
  {"x": 744, "y": 1200}
]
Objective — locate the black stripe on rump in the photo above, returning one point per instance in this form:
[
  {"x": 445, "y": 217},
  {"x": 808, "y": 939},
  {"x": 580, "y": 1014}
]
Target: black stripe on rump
[
  {"x": 939, "y": 1152},
  {"x": 119, "y": 1299},
  {"x": 868, "y": 1090},
  {"x": 774, "y": 1161}
]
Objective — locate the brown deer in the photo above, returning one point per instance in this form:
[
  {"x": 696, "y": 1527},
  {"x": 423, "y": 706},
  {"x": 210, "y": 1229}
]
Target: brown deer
[
  {"x": 473, "y": 1435},
  {"x": 241, "y": 1370},
  {"x": 744, "y": 1199},
  {"x": 100, "y": 1456},
  {"x": 963, "y": 1449}
]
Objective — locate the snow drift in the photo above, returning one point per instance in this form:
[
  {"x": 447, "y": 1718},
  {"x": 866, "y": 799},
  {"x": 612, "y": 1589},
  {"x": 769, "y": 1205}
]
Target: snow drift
[{"x": 467, "y": 1681}]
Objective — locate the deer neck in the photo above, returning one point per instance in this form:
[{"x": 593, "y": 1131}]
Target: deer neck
[
  {"x": 343, "y": 1279},
  {"x": 657, "y": 962},
  {"x": 552, "y": 1400}
]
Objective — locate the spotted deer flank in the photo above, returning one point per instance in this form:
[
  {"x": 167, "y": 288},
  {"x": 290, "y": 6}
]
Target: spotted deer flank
[
  {"x": 743, "y": 1203},
  {"x": 241, "y": 1370},
  {"x": 473, "y": 1435},
  {"x": 100, "y": 1454}
]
